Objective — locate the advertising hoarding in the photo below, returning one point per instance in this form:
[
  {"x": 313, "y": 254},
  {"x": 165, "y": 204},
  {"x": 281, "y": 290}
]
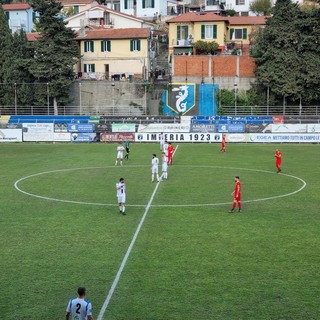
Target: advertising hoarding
[
  {"x": 37, "y": 131},
  {"x": 10, "y": 135}
]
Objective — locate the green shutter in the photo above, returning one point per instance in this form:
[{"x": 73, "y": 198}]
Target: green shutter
[
  {"x": 143, "y": 4},
  {"x": 231, "y": 33},
  {"x": 131, "y": 45},
  {"x": 178, "y": 32},
  {"x": 186, "y": 33},
  {"x": 102, "y": 46},
  {"x": 85, "y": 67},
  {"x": 92, "y": 46},
  {"x": 138, "y": 45},
  {"x": 203, "y": 31},
  {"x": 85, "y": 46},
  {"x": 244, "y": 33},
  {"x": 109, "y": 46},
  {"x": 126, "y": 4},
  {"x": 214, "y": 31},
  {"x": 152, "y": 3},
  {"x": 93, "y": 68}
]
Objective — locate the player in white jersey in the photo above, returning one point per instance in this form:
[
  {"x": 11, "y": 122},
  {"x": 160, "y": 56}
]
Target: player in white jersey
[
  {"x": 165, "y": 147},
  {"x": 79, "y": 308},
  {"x": 164, "y": 166},
  {"x": 121, "y": 195},
  {"x": 161, "y": 139},
  {"x": 120, "y": 150},
  {"x": 154, "y": 167}
]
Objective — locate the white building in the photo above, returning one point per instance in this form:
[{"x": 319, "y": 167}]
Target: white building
[{"x": 103, "y": 17}]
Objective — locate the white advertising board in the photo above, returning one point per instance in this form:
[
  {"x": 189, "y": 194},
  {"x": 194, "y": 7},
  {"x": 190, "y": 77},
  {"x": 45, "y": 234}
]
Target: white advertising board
[
  {"x": 62, "y": 136},
  {"x": 10, "y": 135},
  {"x": 162, "y": 127},
  {"x": 37, "y": 131},
  {"x": 313, "y": 128},
  {"x": 288, "y": 128},
  {"x": 179, "y": 137},
  {"x": 285, "y": 137}
]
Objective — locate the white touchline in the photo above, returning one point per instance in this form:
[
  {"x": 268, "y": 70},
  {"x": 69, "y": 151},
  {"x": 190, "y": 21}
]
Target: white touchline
[{"x": 124, "y": 261}]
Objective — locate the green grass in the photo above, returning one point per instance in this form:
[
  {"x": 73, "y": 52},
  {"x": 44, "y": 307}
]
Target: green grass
[{"x": 188, "y": 262}]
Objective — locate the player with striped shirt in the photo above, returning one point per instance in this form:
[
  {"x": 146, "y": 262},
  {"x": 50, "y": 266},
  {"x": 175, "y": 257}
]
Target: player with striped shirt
[
  {"x": 79, "y": 308},
  {"x": 121, "y": 195}
]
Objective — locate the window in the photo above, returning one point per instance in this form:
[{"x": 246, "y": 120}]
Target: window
[
  {"x": 76, "y": 9},
  {"x": 209, "y": 31},
  {"x": 106, "y": 46},
  {"x": 182, "y": 33},
  {"x": 147, "y": 4},
  {"x": 240, "y": 2},
  {"x": 129, "y": 4},
  {"x": 89, "y": 67},
  {"x": 212, "y": 2},
  {"x": 8, "y": 15},
  {"x": 88, "y": 46},
  {"x": 238, "y": 34},
  {"x": 135, "y": 45}
]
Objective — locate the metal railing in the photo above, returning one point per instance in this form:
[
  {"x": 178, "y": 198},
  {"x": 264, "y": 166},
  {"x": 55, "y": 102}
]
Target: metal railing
[
  {"x": 75, "y": 110},
  {"x": 269, "y": 110}
]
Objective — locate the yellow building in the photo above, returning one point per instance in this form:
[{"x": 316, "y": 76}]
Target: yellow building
[
  {"x": 240, "y": 30},
  {"x": 114, "y": 54},
  {"x": 190, "y": 27}
]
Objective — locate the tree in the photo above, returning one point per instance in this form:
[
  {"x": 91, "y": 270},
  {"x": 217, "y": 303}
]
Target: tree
[
  {"x": 276, "y": 56},
  {"x": 261, "y": 7},
  {"x": 23, "y": 56},
  {"x": 288, "y": 53},
  {"x": 56, "y": 52},
  {"x": 6, "y": 52}
]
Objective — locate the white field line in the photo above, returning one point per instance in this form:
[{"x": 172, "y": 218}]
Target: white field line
[
  {"x": 124, "y": 261},
  {"x": 161, "y": 205}
]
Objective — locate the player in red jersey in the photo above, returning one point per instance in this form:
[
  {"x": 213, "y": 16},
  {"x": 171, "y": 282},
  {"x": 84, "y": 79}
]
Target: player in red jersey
[
  {"x": 223, "y": 143},
  {"x": 170, "y": 153},
  {"x": 236, "y": 195},
  {"x": 278, "y": 156}
]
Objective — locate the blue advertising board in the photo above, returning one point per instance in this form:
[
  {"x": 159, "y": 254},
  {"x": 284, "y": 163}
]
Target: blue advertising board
[
  {"x": 83, "y": 137},
  {"x": 235, "y": 127},
  {"x": 80, "y": 127}
]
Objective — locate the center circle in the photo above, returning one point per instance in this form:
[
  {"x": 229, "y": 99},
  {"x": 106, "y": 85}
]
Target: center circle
[{"x": 218, "y": 168}]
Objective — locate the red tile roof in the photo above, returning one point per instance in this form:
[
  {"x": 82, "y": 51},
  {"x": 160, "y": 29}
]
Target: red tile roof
[
  {"x": 210, "y": 16},
  {"x": 194, "y": 17},
  {"x": 16, "y": 6},
  {"x": 128, "y": 33},
  {"x": 260, "y": 20},
  {"x": 73, "y": 2},
  {"x": 33, "y": 36}
]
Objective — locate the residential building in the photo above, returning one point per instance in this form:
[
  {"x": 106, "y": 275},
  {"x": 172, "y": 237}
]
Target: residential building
[
  {"x": 241, "y": 32},
  {"x": 71, "y": 7},
  {"x": 190, "y": 27},
  {"x": 229, "y": 32},
  {"x": 149, "y": 9},
  {"x": 114, "y": 54},
  {"x": 20, "y": 16},
  {"x": 104, "y": 17}
]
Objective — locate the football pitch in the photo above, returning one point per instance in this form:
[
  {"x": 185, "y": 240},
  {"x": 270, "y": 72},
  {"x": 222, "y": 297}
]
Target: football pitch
[{"x": 178, "y": 253}]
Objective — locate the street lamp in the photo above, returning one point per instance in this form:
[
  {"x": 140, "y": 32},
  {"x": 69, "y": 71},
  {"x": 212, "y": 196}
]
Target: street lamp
[
  {"x": 113, "y": 98},
  {"x": 235, "y": 98}
]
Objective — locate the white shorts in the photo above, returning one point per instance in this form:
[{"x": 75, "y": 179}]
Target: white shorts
[
  {"x": 120, "y": 155},
  {"x": 122, "y": 198},
  {"x": 164, "y": 167},
  {"x": 155, "y": 169}
]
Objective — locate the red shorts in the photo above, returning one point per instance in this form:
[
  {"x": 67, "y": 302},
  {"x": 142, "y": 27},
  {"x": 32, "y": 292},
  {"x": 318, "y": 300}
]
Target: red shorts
[{"x": 238, "y": 198}]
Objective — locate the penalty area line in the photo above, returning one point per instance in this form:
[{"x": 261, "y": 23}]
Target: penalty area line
[{"x": 125, "y": 259}]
